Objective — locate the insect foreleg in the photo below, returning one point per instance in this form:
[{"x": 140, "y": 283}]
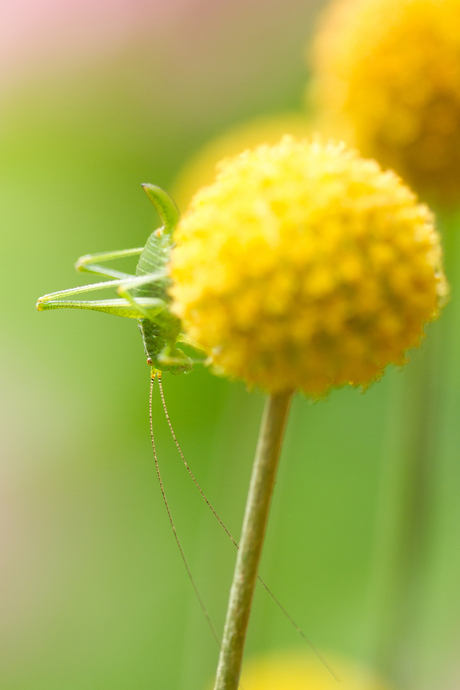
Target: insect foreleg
[
  {"x": 183, "y": 338},
  {"x": 169, "y": 356},
  {"x": 85, "y": 263}
]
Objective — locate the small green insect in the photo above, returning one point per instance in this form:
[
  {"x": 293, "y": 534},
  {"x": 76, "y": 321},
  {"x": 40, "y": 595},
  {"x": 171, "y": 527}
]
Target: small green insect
[{"x": 143, "y": 296}]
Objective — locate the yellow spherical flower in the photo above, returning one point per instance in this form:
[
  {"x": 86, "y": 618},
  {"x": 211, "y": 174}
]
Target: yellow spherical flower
[
  {"x": 387, "y": 79},
  {"x": 305, "y": 267}
]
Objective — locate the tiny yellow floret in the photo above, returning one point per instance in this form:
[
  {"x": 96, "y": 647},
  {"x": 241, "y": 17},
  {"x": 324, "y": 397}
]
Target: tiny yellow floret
[
  {"x": 305, "y": 267},
  {"x": 293, "y": 671},
  {"x": 387, "y": 79}
]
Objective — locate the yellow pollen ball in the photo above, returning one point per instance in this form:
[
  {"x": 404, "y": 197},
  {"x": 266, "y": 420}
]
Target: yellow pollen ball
[
  {"x": 387, "y": 79},
  {"x": 305, "y": 267},
  {"x": 292, "y": 671}
]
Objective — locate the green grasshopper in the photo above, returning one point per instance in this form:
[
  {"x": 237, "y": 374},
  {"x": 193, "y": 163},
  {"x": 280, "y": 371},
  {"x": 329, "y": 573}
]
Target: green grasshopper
[
  {"x": 149, "y": 304},
  {"x": 144, "y": 296},
  {"x": 149, "y": 301}
]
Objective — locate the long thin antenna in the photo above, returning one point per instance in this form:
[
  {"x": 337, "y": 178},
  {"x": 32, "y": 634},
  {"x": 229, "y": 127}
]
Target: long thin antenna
[
  {"x": 203, "y": 607},
  {"x": 275, "y": 599}
]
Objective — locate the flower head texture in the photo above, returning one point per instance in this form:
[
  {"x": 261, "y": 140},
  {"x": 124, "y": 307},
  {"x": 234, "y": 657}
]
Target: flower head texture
[
  {"x": 387, "y": 79},
  {"x": 305, "y": 267}
]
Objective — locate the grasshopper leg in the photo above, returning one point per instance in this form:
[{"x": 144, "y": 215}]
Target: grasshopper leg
[
  {"x": 126, "y": 285},
  {"x": 146, "y": 307},
  {"x": 117, "y": 307},
  {"x": 133, "y": 281},
  {"x": 169, "y": 356},
  {"x": 85, "y": 264}
]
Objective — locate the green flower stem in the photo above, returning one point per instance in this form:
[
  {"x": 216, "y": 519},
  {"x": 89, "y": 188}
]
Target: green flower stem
[
  {"x": 408, "y": 510},
  {"x": 404, "y": 516},
  {"x": 252, "y": 539}
]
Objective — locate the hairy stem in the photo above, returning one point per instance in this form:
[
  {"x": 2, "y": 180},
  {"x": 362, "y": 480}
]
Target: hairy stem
[{"x": 252, "y": 538}]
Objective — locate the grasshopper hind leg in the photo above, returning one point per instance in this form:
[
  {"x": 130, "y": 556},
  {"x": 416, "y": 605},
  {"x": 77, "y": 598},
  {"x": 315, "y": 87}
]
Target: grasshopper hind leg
[
  {"x": 135, "y": 308},
  {"x": 85, "y": 264}
]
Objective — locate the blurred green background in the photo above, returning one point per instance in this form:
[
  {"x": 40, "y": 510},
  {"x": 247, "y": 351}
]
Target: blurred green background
[{"x": 95, "y": 99}]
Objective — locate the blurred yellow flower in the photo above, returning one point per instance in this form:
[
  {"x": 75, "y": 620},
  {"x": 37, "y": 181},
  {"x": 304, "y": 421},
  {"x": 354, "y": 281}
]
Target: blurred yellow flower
[
  {"x": 387, "y": 79},
  {"x": 294, "y": 671},
  {"x": 305, "y": 267}
]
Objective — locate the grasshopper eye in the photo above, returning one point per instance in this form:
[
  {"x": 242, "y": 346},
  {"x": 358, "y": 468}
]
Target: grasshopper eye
[{"x": 149, "y": 361}]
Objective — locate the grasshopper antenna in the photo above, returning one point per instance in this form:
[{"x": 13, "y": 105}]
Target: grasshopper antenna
[
  {"x": 235, "y": 543},
  {"x": 200, "y": 600}
]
